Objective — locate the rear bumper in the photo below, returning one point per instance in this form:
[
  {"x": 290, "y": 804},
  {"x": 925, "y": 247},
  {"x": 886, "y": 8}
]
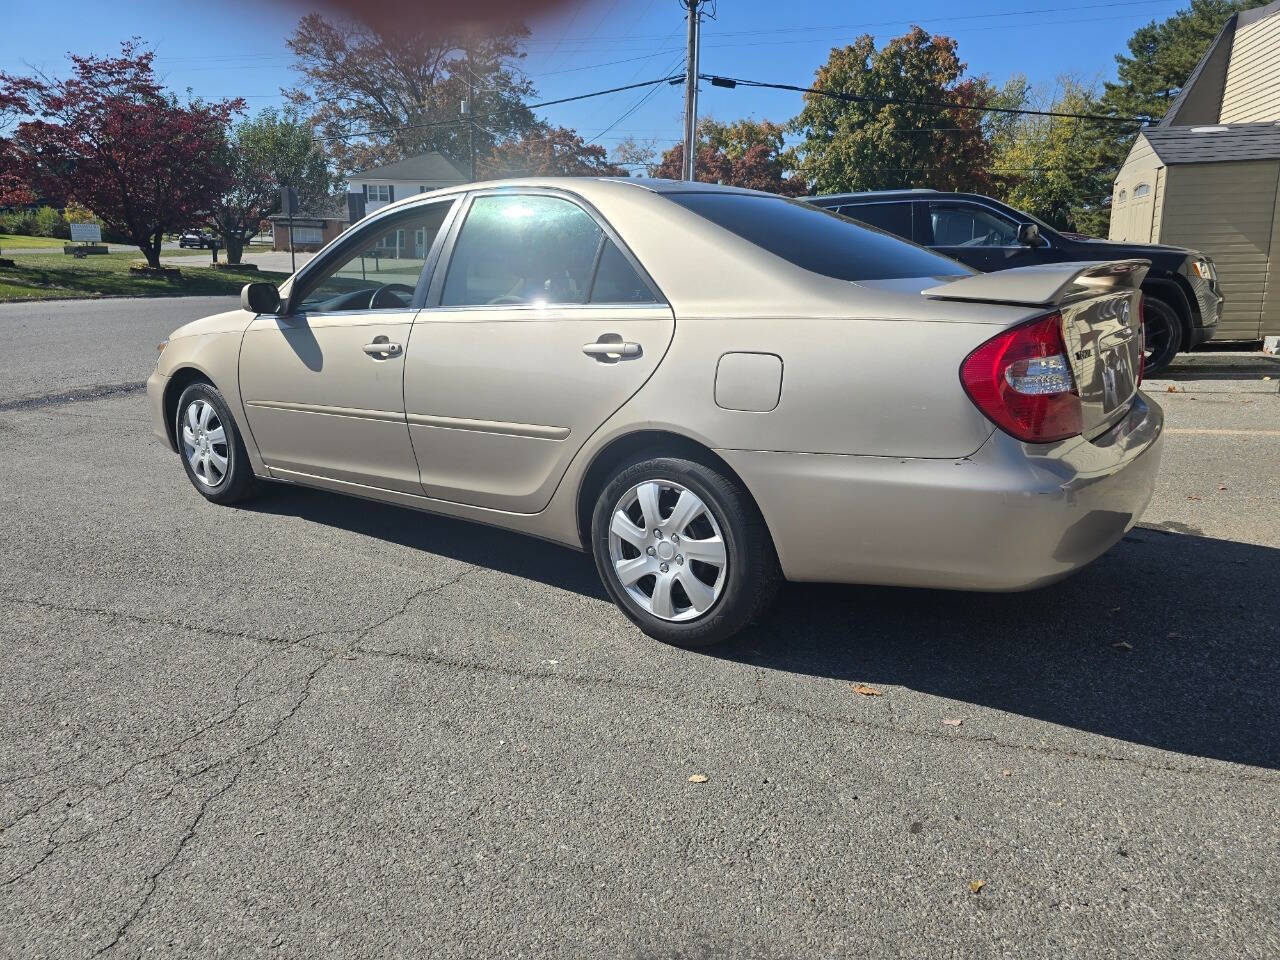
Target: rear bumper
[{"x": 1011, "y": 517}]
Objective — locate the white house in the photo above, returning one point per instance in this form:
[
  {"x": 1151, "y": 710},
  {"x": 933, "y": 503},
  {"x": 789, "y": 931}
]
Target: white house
[{"x": 404, "y": 178}]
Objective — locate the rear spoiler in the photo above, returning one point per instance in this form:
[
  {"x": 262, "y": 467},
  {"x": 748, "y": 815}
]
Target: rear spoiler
[{"x": 1045, "y": 285}]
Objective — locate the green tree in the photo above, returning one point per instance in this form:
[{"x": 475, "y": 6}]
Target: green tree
[
  {"x": 1055, "y": 167},
  {"x": 908, "y": 141},
  {"x": 1162, "y": 55},
  {"x": 547, "y": 151},
  {"x": 394, "y": 92},
  {"x": 271, "y": 150}
]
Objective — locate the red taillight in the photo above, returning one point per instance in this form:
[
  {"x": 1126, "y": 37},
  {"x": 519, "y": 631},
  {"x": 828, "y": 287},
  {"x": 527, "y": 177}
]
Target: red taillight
[{"x": 1021, "y": 380}]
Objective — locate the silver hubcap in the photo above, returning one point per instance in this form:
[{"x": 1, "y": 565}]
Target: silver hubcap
[
  {"x": 204, "y": 442},
  {"x": 667, "y": 550}
]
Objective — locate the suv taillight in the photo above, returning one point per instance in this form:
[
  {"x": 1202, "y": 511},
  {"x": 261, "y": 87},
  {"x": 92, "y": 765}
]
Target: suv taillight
[{"x": 1021, "y": 380}]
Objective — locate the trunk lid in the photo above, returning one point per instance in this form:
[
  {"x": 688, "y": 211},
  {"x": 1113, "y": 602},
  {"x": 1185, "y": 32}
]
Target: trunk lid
[{"x": 1100, "y": 305}]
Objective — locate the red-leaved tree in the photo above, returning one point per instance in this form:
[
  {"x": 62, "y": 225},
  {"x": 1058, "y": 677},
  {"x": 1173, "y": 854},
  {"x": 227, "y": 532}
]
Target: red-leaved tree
[
  {"x": 747, "y": 153},
  {"x": 13, "y": 185},
  {"x": 547, "y": 151},
  {"x": 110, "y": 137}
]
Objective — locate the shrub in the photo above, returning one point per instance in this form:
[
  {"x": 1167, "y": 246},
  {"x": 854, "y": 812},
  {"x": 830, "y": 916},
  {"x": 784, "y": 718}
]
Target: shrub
[{"x": 48, "y": 222}]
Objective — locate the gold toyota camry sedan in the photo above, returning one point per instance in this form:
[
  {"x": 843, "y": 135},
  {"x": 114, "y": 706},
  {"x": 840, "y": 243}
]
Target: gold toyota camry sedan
[{"x": 710, "y": 389}]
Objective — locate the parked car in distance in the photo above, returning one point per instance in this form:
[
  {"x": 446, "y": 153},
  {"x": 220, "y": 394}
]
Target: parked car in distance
[
  {"x": 1183, "y": 301},
  {"x": 194, "y": 238},
  {"x": 705, "y": 387}
]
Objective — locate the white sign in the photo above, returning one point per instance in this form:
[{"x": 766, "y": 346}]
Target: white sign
[{"x": 86, "y": 233}]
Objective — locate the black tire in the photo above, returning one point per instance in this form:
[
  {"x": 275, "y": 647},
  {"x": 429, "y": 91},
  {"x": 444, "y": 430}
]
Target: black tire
[
  {"x": 751, "y": 575},
  {"x": 237, "y": 482},
  {"x": 1162, "y": 330}
]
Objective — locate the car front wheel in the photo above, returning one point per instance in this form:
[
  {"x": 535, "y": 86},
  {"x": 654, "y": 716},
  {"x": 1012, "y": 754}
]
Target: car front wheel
[
  {"x": 212, "y": 452},
  {"x": 683, "y": 551}
]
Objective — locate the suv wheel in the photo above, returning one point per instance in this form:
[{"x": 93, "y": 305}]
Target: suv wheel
[
  {"x": 1162, "y": 332},
  {"x": 683, "y": 551}
]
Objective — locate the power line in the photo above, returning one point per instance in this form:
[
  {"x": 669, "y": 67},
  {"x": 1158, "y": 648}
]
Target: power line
[
  {"x": 673, "y": 79},
  {"x": 732, "y": 82}
]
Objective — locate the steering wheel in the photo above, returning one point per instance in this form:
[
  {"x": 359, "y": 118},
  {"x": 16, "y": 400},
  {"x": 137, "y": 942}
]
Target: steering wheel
[{"x": 390, "y": 288}]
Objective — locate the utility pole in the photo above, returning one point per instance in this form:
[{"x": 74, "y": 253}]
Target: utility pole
[
  {"x": 468, "y": 111},
  {"x": 691, "y": 91}
]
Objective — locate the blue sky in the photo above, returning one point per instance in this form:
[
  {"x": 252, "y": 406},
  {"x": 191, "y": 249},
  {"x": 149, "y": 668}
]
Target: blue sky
[{"x": 236, "y": 48}]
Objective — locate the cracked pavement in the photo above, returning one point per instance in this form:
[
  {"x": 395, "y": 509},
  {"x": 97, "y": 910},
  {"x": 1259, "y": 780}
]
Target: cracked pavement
[{"x": 323, "y": 727}]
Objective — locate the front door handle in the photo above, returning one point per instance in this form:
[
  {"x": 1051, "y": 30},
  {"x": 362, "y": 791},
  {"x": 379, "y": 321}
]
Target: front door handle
[
  {"x": 382, "y": 348},
  {"x": 610, "y": 348}
]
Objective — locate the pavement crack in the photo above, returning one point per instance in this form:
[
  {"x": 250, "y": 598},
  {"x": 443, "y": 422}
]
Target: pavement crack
[
  {"x": 100, "y": 391},
  {"x": 151, "y": 884}
]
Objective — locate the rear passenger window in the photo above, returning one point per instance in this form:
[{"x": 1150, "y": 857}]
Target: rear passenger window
[
  {"x": 892, "y": 217},
  {"x": 522, "y": 250},
  {"x": 617, "y": 281}
]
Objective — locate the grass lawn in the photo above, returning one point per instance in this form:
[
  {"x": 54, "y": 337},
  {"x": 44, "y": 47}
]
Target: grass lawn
[
  {"x": 60, "y": 277},
  {"x": 11, "y": 241}
]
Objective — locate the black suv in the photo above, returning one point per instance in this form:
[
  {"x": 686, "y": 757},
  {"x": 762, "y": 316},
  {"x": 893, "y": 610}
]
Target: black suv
[{"x": 1183, "y": 302}]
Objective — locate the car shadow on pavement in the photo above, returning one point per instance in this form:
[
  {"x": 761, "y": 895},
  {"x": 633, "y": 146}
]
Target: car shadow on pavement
[
  {"x": 1169, "y": 640},
  {"x": 1208, "y": 366}
]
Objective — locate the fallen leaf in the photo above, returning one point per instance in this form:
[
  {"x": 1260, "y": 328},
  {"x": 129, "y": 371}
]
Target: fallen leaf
[
  {"x": 1122, "y": 645},
  {"x": 1222, "y": 487},
  {"x": 1006, "y": 773},
  {"x": 976, "y": 885},
  {"x": 1172, "y": 389},
  {"x": 953, "y": 722},
  {"x": 698, "y": 778},
  {"x": 1192, "y": 497},
  {"x": 866, "y": 691},
  {"x": 1266, "y": 378}
]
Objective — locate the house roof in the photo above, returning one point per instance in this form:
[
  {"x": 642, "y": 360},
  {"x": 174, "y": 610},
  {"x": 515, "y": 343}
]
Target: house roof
[
  {"x": 433, "y": 167},
  {"x": 1214, "y": 143},
  {"x": 1200, "y": 99}
]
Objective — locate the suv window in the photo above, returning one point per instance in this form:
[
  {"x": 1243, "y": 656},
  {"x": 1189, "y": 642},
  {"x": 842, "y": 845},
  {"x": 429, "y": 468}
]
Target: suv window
[
  {"x": 816, "y": 239},
  {"x": 381, "y": 270},
  {"x": 962, "y": 225},
  {"x": 893, "y": 217},
  {"x": 517, "y": 250}
]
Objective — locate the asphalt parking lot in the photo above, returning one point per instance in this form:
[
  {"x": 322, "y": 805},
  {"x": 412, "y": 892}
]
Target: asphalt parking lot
[{"x": 322, "y": 727}]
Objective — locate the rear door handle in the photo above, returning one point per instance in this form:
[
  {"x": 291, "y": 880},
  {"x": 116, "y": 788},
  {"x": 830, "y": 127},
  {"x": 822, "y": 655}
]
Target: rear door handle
[
  {"x": 381, "y": 348},
  {"x": 610, "y": 347}
]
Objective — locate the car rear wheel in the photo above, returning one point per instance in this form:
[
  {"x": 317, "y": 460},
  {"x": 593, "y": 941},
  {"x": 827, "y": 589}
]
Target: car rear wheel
[
  {"x": 1162, "y": 333},
  {"x": 212, "y": 452},
  {"x": 683, "y": 551}
]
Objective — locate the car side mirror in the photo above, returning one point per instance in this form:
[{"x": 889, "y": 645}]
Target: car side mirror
[
  {"x": 1029, "y": 235},
  {"x": 260, "y": 297}
]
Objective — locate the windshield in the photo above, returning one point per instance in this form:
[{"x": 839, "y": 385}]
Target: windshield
[{"x": 817, "y": 239}]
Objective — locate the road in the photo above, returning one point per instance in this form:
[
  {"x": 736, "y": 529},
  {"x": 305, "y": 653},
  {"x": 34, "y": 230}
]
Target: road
[{"x": 320, "y": 727}]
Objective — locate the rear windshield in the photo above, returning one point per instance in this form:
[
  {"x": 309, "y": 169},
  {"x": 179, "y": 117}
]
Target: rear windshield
[{"x": 817, "y": 239}]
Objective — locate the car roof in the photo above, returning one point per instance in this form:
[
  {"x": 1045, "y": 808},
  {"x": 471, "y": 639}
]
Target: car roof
[
  {"x": 910, "y": 193},
  {"x": 580, "y": 185}
]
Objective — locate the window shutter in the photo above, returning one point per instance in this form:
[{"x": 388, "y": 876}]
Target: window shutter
[
  {"x": 391, "y": 194},
  {"x": 364, "y": 187}
]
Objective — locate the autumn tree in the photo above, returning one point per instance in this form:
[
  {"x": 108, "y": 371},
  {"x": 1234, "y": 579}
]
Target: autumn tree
[
  {"x": 271, "y": 150},
  {"x": 547, "y": 151},
  {"x": 890, "y": 130},
  {"x": 387, "y": 92},
  {"x": 638, "y": 157},
  {"x": 746, "y": 153},
  {"x": 110, "y": 137},
  {"x": 1054, "y": 167},
  {"x": 14, "y": 190}
]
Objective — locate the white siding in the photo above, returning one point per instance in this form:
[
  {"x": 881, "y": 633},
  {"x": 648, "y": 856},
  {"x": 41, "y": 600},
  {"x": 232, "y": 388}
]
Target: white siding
[
  {"x": 1252, "y": 93},
  {"x": 1132, "y": 216},
  {"x": 399, "y": 189},
  {"x": 1227, "y": 210}
]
